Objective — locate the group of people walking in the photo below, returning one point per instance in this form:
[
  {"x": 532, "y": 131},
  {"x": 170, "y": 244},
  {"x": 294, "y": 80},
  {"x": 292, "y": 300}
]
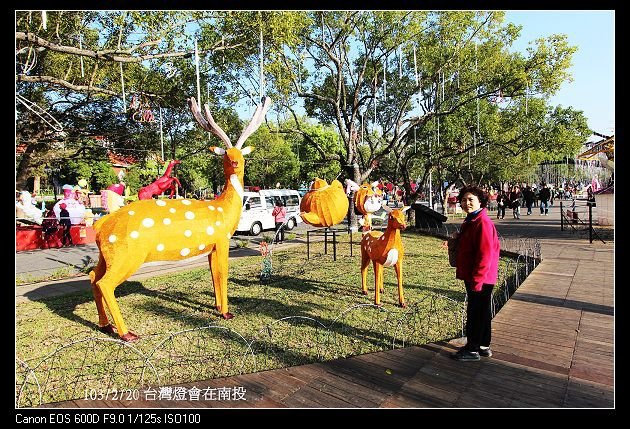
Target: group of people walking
[{"x": 516, "y": 198}]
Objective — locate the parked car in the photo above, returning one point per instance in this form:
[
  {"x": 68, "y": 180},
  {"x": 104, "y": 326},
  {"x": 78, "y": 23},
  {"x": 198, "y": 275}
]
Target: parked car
[{"x": 257, "y": 207}]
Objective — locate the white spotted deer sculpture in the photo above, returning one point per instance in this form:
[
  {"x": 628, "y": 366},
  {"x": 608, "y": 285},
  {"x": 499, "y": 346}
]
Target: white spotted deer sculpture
[{"x": 172, "y": 230}]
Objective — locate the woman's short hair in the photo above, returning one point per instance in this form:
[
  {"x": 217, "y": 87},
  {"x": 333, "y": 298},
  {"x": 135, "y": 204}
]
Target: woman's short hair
[{"x": 475, "y": 190}]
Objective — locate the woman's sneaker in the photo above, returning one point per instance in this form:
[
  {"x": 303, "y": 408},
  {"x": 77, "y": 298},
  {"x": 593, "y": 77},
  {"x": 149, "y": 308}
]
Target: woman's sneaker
[
  {"x": 464, "y": 355},
  {"x": 485, "y": 352}
]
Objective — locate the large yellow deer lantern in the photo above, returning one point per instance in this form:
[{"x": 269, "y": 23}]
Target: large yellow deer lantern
[
  {"x": 384, "y": 250},
  {"x": 171, "y": 230}
]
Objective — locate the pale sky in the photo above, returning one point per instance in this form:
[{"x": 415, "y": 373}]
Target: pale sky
[{"x": 593, "y": 32}]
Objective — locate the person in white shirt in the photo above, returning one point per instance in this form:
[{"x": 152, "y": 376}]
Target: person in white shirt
[{"x": 74, "y": 207}]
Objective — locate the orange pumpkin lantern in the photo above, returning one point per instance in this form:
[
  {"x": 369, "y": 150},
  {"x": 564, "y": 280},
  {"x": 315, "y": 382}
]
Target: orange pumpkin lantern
[{"x": 324, "y": 205}]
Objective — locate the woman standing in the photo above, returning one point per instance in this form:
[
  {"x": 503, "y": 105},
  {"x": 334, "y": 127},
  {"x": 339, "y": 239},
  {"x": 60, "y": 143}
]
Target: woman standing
[
  {"x": 515, "y": 202},
  {"x": 279, "y": 213},
  {"x": 477, "y": 266},
  {"x": 502, "y": 203}
]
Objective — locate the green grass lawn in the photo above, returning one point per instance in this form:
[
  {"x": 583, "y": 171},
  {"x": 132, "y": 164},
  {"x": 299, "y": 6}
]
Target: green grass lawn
[{"x": 312, "y": 309}]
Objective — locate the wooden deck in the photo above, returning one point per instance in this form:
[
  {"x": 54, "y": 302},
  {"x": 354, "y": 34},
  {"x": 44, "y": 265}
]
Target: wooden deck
[{"x": 553, "y": 347}]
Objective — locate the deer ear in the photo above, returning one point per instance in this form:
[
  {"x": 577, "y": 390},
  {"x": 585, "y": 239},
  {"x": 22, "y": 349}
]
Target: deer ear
[
  {"x": 247, "y": 150},
  {"x": 351, "y": 186},
  {"x": 217, "y": 150}
]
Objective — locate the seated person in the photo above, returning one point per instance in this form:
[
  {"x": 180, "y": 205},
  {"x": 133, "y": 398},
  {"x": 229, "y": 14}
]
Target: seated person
[
  {"x": 50, "y": 225},
  {"x": 25, "y": 211}
]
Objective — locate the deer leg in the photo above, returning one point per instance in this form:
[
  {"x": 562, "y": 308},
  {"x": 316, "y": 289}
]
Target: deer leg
[
  {"x": 399, "y": 276},
  {"x": 95, "y": 275},
  {"x": 365, "y": 262},
  {"x": 115, "y": 275},
  {"x": 378, "y": 278},
  {"x": 222, "y": 250},
  {"x": 216, "y": 279}
]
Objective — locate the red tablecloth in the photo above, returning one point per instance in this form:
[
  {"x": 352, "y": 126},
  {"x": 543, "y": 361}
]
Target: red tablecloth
[
  {"x": 28, "y": 237},
  {"x": 32, "y": 237}
]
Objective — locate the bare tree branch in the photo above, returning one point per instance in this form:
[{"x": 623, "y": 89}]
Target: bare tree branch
[
  {"x": 63, "y": 83},
  {"x": 117, "y": 55}
]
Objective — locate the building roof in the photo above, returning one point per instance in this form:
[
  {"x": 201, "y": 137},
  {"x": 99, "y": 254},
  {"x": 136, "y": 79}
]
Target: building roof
[
  {"x": 118, "y": 160},
  {"x": 607, "y": 145}
]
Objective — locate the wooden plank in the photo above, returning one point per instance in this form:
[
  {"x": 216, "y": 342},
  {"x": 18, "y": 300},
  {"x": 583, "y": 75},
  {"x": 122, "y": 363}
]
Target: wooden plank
[
  {"x": 503, "y": 369},
  {"x": 402, "y": 401},
  {"x": 354, "y": 399},
  {"x": 529, "y": 393},
  {"x": 533, "y": 363},
  {"x": 371, "y": 367},
  {"x": 325, "y": 399},
  {"x": 581, "y": 393},
  {"x": 347, "y": 390},
  {"x": 364, "y": 375},
  {"x": 521, "y": 388},
  {"x": 398, "y": 367},
  {"x": 295, "y": 400},
  {"x": 411, "y": 357},
  {"x": 481, "y": 398},
  {"x": 439, "y": 396},
  {"x": 280, "y": 385},
  {"x": 602, "y": 361},
  {"x": 592, "y": 374},
  {"x": 533, "y": 340},
  {"x": 534, "y": 358},
  {"x": 525, "y": 329}
]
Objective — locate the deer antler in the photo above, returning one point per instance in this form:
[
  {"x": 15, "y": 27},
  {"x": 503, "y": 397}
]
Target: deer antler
[
  {"x": 208, "y": 123},
  {"x": 257, "y": 119}
]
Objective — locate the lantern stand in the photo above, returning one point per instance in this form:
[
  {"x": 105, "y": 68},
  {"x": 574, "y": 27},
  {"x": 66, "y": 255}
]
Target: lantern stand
[{"x": 326, "y": 233}]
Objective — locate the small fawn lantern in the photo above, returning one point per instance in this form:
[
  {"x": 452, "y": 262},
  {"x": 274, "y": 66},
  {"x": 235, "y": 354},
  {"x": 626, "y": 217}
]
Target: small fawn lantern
[
  {"x": 384, "y": 250},
  {"x": 324, "y": 205}
]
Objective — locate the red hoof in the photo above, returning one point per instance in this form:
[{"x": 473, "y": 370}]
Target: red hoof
[
  {"x": 108, "y": 329},
  {"x": 403, "y": 305},
  {"x": 382, "y": 290},
  {"x": 364, "y": 292},
  {"x": 227, "y": 316},
  {"x": 218, "y": 307},
  {"x": 129, "y": 337}
]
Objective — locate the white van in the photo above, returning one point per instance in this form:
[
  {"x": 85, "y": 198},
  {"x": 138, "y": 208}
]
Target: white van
[{"x": 257, "y": 207}]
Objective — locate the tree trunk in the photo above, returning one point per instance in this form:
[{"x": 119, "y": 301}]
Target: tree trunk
[
  {"x": 23, "y": 169},
  {"x": 36, "y": 184},
  {"x": 353, "y": 223}
]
